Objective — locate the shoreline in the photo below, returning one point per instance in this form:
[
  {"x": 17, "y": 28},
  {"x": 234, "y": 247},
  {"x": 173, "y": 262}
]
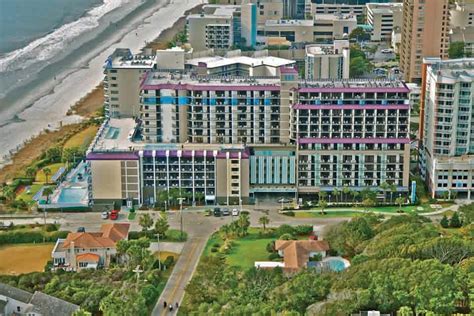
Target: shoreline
[{"x": 84, "y": 109}]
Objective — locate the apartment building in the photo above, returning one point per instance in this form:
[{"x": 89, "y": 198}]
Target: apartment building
[
  {"x": 446, "y": 129},
  {"x": 294, "y": 9},
  {"x": 269, "y": 10},
  {"x": 425, "y": 33},
  {"x": 327, "y": 61},
  {"x": 231, "y": 139},
  {"x": 383, "y": 18},
  {"x": 123, "y": 72},
  {"x": 462, "y": 14},
  {"x": 329, "y": 27}
]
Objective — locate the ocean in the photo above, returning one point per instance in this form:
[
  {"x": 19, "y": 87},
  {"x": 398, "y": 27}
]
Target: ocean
[{"x": 46, "y": 71}]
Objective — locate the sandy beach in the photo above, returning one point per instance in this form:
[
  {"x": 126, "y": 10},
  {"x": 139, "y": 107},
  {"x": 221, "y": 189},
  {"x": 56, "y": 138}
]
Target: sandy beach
[{"x": 52, "y": 100}]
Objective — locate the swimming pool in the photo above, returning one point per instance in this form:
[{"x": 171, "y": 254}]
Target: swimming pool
[
  {"x": 336, "y": 264},
  {"x": 112, "y": 133},
  {"x": 72, "y": 195}
]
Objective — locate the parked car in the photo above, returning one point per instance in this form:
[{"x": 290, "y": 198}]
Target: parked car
[
  {"x": 386, "y": 51},
  {"x": 217, "y": 212},
  {"x": 225, "y": 212},
  {"x": 114, "y": 215},
  {"x": 81, "y": 229},
  {"x": 235, "y": 212},
  {"x": 283, "y": 200}
]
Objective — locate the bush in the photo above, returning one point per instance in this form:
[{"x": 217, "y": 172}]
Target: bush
[
  {"x": 22, "y": 237},
  {"x": 217, "y": 245},
  {"x": 289, "y": 213},
  {"x": 48, "y": 266},
  {"x": 274, "y": 256},
  {"x": 214, "y": 250},
  {"x": 271, "y": 246},
  {"x": 169, "y": 261},
  {"x": 303, "y": 230},
  {"x": 284, "y": 229},
  {"x": 287, "y": 237},
  {"x": 358, "y": 259}
]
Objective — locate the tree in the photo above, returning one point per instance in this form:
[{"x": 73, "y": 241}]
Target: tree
[
  {"x": 359, "y": 34},
  {"x": 264, "y": 220},
  {"x": 322, "y": 204},
  {"x": 199, "y": 196},
  {"x": 400, "y": 200},
  {"x": 161, "y": 225},
  {"x": 444, "y": 222},
  {"x": 358, "y": 67},
  {"x": 393, "y": 189},
  {"x": 8, "y": 193},
  {"x": 335, "y": 192},
  {"x": 145, "y": 221},
  {"x": 346, "y": 191},
  {"x": 355, "y": 194},
  {"x": 467, "y": 213},
  {"x": 243, "y": 223},
  {"x": 72, "y": 154},
  {"x": 47, "y": 192},
  {"x": 30, "y": 172},
  {"x": 445, "y": 195},
  {"x": 384, "y": 187},
  {"x": 368, "y": 203},
  {"x": 47, "y": 173},
  {"x": 53, "y": 154},
  {"x": 455, "y": 222},
  {"x": 322, "y": 195},
  {"x": 456, "y": 50}
]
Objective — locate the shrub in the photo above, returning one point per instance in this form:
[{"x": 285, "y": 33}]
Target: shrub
[
  {"x": 284, "y": 229},
  {"x": 358, "y": 259},
  {"x": 169, "y": 261},
  {"x": 303, "y": 229},
  {"x": 287, "y": 237},
  {"x": 245, "y": 212},
  {"x": 214, "y": 250},
  {"x": 289, "y": 213},
  {"x": 271, "y": 246},
  {"x": 21, "y": 237},
  {"x": 274, "y": 256},
  {"x": 217, "y": 245}
]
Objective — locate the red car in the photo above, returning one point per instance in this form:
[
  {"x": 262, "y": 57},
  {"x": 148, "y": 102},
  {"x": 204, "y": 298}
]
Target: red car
[{"x": 114, "y": 215}]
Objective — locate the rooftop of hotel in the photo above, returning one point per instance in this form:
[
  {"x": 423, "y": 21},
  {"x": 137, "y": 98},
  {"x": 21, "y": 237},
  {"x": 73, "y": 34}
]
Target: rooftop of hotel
[
  {"x": 155, "y": 78},
  {"x": 354, "y": 83},
  {"x": 334, "y": 17},
  {"x": 217, "y": 61},
  {"x": 123, "y": 58},
  {"x": 289, "y": 23},
  {"x": 118, "y": 135},
  {"x": 224, "y": 15},
  {"x": 384, "y": 7},
  {"x": 452, "y": 68},
  {"x": 322, "y": 49}
]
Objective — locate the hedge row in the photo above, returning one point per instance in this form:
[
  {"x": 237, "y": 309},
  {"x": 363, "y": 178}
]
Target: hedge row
[{"x": 24, "y": 237}]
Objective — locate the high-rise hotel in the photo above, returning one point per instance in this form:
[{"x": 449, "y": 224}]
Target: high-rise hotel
[{"x": 231, "y": 139}]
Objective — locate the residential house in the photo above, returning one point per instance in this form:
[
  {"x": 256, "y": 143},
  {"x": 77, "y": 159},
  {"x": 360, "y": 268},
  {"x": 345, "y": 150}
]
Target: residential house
[
  {"x": 14, "y": 301},
  {"x": 89, "y": 250},
  {"x": 298, "y": 253}
]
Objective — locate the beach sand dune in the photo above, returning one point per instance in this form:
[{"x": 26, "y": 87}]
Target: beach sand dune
[{"x": 49, "y": 108}]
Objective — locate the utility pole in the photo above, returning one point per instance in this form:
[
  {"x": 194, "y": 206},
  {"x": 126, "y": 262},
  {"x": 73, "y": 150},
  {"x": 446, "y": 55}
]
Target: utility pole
[{"x": 181, "y": 199}]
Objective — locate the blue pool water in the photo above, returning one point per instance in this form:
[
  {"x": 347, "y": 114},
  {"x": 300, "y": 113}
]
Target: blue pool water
[
  {"x": 336, "y": 264},
  {"x": 72, "y": 195},
  {"x": 112, "y": 133}
]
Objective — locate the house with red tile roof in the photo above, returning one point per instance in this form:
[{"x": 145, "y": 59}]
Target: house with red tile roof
[
  {"x": 89, "y": 250},
  {"x": 297, "y": 253}
]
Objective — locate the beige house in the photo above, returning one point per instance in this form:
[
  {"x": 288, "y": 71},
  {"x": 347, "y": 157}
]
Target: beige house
[{"x": 89, "y": 250}]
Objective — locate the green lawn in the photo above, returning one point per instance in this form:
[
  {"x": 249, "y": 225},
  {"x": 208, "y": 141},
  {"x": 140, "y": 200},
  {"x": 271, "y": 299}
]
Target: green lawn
[
  {"x": 82, "y": 139},
  {"x": 245, "y": 251},
  {"x": 40, "y": 176},
  {"x": 27, "y": 197}
]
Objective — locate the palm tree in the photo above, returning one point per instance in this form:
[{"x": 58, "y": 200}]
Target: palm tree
[
  {"x": 30, "y": 172},
  {"x": 355, "y": 195},
  {"x": 335, "y": 192},
  {"x": 322, "y": 204},
  {"x": 400, "y": 200},
  {"x": 346, "y": 191},
  {"x": 225, "y": 231},
  {"x": 243, "y": 223},
  {"x": 47, "y": 173},
  {"x": 384, "y": 187},
  {"x": 322, "y": 195},
  {"x": 47, "y": 192},
  {"x": 393, "y": 189},
  {"x": 264, "y": 220},
  {"x": 368, "y": 203}
]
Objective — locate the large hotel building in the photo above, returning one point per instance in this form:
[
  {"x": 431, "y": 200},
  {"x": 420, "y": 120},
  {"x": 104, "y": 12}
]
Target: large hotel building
[{"x": 231, "y": 139}]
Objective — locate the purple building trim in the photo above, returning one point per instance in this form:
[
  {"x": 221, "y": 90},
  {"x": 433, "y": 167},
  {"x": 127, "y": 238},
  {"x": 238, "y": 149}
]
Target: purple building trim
[
  {"x": 315, "y": 140},
  {"x": 217, "y": 87},
  {"x": 351, "y": 107},
  {"x": 356, "y": 89},
  {"x": 112, "y": 156},
  {"x": 288, "y": 70}
]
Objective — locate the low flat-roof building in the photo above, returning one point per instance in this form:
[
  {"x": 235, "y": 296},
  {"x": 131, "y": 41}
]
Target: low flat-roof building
[{"x": 383, "y": 18}]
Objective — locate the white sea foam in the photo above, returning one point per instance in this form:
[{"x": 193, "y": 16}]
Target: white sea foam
[{"x": 48, "y": 46}]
